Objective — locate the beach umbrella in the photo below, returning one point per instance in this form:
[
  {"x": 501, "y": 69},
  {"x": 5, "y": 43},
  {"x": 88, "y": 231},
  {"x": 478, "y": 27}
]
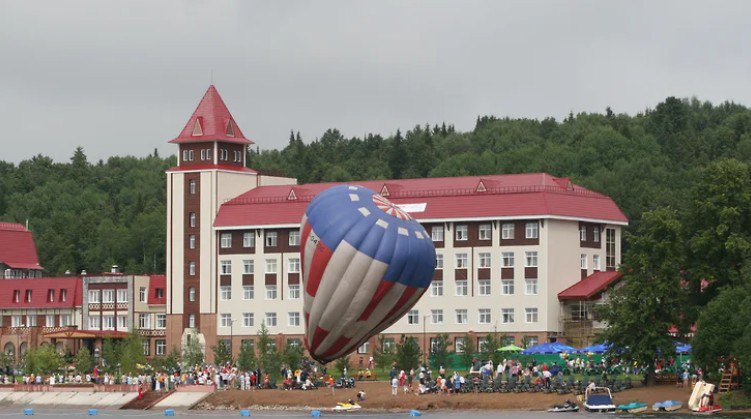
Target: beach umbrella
[
  {"x": 598, "y": 348},
  {"x": 549, "y": 348},
  {"x": 682, "y": 348},
  {"x": 365, "y": 263},
  {"x": 509, "y": 348}
]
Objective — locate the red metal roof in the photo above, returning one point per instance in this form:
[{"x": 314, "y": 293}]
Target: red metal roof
[
  {"x": 17, "y": 248},
  {"x": 590, "y": 287},
  {"x": 211, "y": 121},
  {"x": 519, "y": 195},
  {"x": 157, "y": 281},
  {"x": 39, "y": 288}
]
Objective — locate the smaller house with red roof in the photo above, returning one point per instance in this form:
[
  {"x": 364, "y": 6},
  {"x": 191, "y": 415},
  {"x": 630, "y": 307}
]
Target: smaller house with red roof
[
  {"x": 580, "y": 323},
  {"x": 18, "y": 254}
]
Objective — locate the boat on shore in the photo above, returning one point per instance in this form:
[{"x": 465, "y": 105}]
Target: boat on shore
[
  {"x": 633, "y": 407},
  {"x": 702, "y": 399},
  {"x": 598, "y": 399},
  {"x": 346, "y": 407},
  {"x": 567, "y": 406},
  {"x": 667, "y": 406}
]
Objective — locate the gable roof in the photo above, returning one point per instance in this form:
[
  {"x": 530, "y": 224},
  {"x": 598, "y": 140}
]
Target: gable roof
[
  {"x": 157, "y": 281},
  {"x": 17, "y": 248},
  {"x": 591, "y": 286},
  {"x": 39, "y": 288},
  {"x": 211, "y": 121},
  {"x": 531, "y": 195}
]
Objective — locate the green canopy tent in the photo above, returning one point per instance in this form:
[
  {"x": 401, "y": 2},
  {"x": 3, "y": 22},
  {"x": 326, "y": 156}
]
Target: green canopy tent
[{"x": 509, "y": 348}]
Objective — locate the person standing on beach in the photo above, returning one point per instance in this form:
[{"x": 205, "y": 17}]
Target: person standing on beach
[{"x": 394, "y": 386}]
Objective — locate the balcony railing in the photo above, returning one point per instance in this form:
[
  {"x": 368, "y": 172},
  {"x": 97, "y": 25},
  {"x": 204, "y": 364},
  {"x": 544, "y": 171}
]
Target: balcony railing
[{"x": 152, "y": 332}]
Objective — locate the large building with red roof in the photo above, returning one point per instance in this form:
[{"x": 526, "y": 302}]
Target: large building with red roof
[
  {"x": 18, "y": 254},
  {"x": 507, "y": 246}
]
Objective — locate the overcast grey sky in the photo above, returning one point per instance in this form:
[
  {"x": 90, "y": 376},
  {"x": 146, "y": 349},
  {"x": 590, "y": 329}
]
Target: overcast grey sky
[{"x": 122, "y": 77}]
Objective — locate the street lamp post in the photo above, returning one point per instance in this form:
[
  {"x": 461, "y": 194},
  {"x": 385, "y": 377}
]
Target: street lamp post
[
  {"x": 231, "y": 334},
  {"x": 425, "y": 339}
]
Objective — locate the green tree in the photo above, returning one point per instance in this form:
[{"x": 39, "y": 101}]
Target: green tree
[
  {"x": 43, "y": 360},
  {"x": 131, "y": 353},
  {"x": 170, "y": 362},
  {"x": 246, "y": 359},
  {"x": 439, "y": 351},
  {"x": 110, "y": 354},
  {"x": 192, "y": 351},
  {"x": 640, "y": 312},
  {"x": 83, "y": 361},
  {"x": 292, "y": 356},
  {"x": 407, "y": 353},
  {"x": 469, "y": 351},
  {"x": 268, "y": 356},
  {"x": 222, "y": 353},
  {"x": 341, "y": 363},
  {"x": 383, "y": 351}
]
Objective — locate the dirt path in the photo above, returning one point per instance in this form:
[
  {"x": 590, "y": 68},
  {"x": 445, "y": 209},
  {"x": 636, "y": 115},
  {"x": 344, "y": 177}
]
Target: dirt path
[{"x": 378, "y": 397}]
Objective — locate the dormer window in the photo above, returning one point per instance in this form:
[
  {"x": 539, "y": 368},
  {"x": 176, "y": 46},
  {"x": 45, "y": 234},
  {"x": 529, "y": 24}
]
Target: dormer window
[
  {"x": 230, "y": 129},
  {"x": 16, "y": 296},
  {"x": 51, "y": 295},
  {"x": 159, "y": 292},
  {"x": 28, "y": 296},
  {"x": 63, "y": 295}
]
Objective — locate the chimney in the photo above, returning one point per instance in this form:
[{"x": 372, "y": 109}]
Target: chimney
[
  {"x": 114, "y": 269},
  {"x": 83, "y": 272},
  {"x": 67, "y": 272}
]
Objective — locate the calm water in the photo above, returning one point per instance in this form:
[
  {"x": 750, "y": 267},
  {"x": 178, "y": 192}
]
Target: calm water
[{"x": 15, "y": 412}]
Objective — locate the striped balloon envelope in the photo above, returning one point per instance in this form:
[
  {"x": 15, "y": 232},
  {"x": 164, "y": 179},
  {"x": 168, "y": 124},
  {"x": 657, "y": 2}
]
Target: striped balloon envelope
[{"x": 365, "y": 263}]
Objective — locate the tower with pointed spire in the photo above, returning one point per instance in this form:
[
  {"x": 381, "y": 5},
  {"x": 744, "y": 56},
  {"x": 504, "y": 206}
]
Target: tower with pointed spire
[{"x": 211, "y": 169}]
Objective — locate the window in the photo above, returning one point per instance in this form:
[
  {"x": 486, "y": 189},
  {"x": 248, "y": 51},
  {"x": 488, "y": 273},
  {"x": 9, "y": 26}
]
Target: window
[
  {"x": 507, "y": 287},
  {"x": 436, "y": 233},
  {"x": 507, "y": 231},
  {"x": 159, "y": 292},
  {"x": 192, "y": 294},
  {"x": 459, "y": 344},
  {"x": 28, "y": 296},
  {"x": 582, "y": 233},
  {"x": 270, "y": 292},
  {"x": 161, "y": 321},
  {"x": 531, "y": 288},
  {"x": 108, "y": 322},
  {"x": 203, "y": 156},
  {"x": 507, "y": 259},
  {"x": 108, "y": 296},
  {"x": 50, "y": 295},
  {"x": 596, "y": 234},
  {"x": 294, "y": 238},
  {"x": 484, "y": 316},
  {"x": 294, "y": 291},
  {"x": 609, "y": 248},
  {"x": 16, "y": 296},
  {"x": 482, "y": 344},
  {"x": 583, "y": 261},
  {"x": 249, "y": 239},
  {"x": 192, "y": 183},
  {"x": 248, "y": 266},
  {"x": 271, "y": 239},
  {"x": 49, "y": 320},
  {"x": 484, "y": 232},
  {"x": 248, "y": 319},
  {"x": 122, "y": 296},
  {"x": 145, "y": 346},
  {"x": 531, "y": 341},
  {"x": 225, "y": 267},
  {"x": 31, "y": 320},
  {"x": 16, "y": 321},
  {"x": 191, "y": 268},
  {"x": 436, "y": 288},
  {"x": 294, "y": 265},
  {"x": 294, "y": 318},
  {"x": 142, "y": 294},
  {"x": 185, "y": 155},
  {"x": 507, "y": 315},
  {"x": 596, "y": 262},
  {"x": 144, "y": 321},
  {"x": 161, "y": 346},
  {"x": 484, "y": 287},
  {"x": 461, "y": 316},
  {"x": 270, "y": 266},
  {"x": 94, "y": 322},
  {"x": 270, "y": 319},
  {"x": 484, "y": 260},
  {"x": 225, "y": 319},
  {"x": 461, "y": 232},
  {"x": 531, "y": 315},
  {"x": 436, "y": 316},
  {"x": 225, "y": 240},
  {"x": 93, "y": 296},
  {"x": 438, "y": 261},
  {"x": 461, "y": 288},
  {"x": 65, "y": 320},
  {"x": 63, "y": 295},
  {"x": 364, "y": 348},
  {"x": 531, "y": 259},
  {"x": 192, "y": 241},
  {"x": 579, "y": 312},
  {"x": 122, "y": 322},
  {"x": 192, "y": 320},
  {"x": 413, "y": 317},
  {"x": 192, "y": 219},
  {"x": 532, "y": 230},
  {"x": 248, "y": 292},
  {"x": 225, "y": 292},
  {"x": 461, "y": 261}
]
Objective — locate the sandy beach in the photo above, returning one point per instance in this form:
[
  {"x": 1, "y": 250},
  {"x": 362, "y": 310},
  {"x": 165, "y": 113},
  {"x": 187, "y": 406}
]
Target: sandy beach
[{"x": 378, "y": 397}]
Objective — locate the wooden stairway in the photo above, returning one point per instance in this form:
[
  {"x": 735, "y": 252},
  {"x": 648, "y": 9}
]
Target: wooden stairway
[{"x": 726, "y": 383}]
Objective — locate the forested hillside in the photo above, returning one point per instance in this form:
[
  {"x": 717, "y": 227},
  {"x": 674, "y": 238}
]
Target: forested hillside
[{"x": 90, "y": 215}]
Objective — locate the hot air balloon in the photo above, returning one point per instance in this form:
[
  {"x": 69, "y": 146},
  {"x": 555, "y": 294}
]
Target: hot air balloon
[{"x": 365, "y": 263}]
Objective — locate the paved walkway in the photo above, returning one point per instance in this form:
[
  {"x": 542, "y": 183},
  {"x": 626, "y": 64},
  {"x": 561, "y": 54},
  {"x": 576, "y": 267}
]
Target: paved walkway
[
  {"x": 66, "y": 398},
  {"x": 182, "y": 400}
]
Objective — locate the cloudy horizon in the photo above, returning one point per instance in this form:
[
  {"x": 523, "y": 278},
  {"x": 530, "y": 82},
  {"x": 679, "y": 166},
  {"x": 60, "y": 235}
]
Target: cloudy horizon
[{"x": 122, "y": 78}]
